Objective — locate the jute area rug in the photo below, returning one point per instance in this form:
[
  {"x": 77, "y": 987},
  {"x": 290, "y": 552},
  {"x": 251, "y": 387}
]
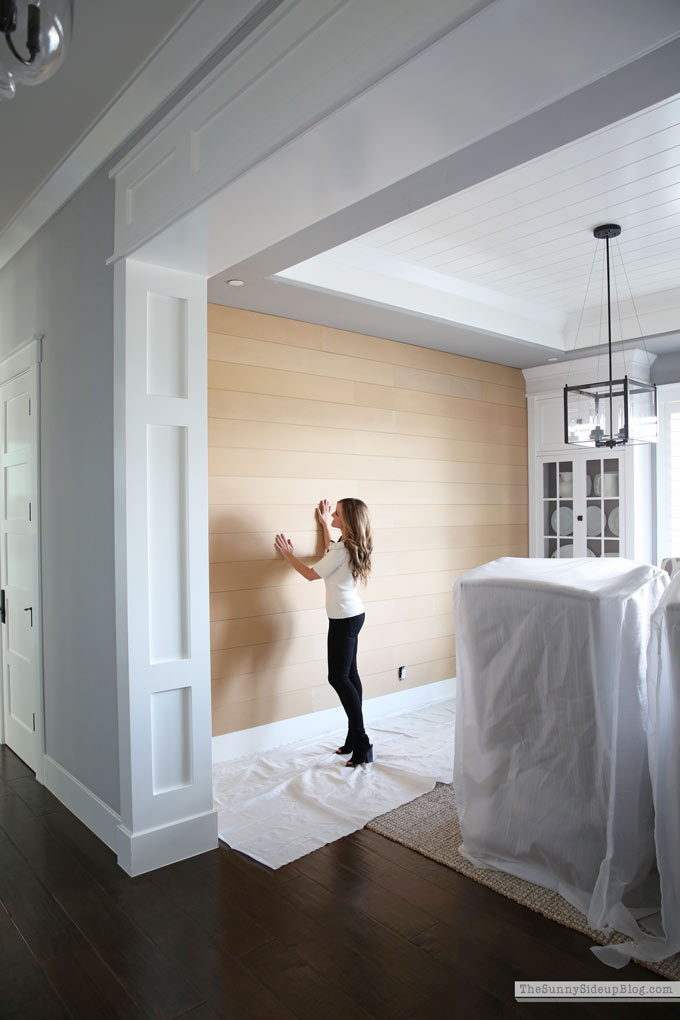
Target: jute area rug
[{"x": 429, "y": 825}]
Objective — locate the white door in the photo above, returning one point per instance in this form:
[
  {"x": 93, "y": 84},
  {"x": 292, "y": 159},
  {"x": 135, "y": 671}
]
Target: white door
[{"x": 19, "y": 568}]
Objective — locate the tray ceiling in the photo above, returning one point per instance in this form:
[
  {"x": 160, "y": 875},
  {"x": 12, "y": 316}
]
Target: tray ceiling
[{"x": 521, "y": 242}]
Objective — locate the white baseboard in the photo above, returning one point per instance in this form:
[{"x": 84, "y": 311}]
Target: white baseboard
[
  {"x": 82, "y": 802},
  {"x": 262, "y": 738},
  {"x": 144, "y": 851}
]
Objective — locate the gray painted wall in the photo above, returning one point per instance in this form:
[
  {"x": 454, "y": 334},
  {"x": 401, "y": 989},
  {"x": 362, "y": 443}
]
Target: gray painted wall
[
  {"x": 59, "y": 285},
  {"x": 666, "y": 368}
]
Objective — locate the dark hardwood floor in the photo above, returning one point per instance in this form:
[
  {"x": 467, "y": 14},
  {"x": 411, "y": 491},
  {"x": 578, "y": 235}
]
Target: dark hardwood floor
[{"x": 362, "y": 928}]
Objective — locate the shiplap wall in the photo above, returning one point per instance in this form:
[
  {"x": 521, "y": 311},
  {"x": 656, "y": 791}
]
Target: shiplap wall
[{"x": 435, "y": 444}]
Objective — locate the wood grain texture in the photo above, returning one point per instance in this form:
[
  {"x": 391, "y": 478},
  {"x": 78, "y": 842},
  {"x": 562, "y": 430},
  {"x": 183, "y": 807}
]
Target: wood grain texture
[
  {"x": 434, "y": 443},
  {"x": 255, "y": 435},
  {"x": 411, "y": 356}
]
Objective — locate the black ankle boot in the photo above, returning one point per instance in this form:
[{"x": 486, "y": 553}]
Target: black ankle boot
[
  {"x": 362, "y": 754},
  {"x": 348, "y": 746}
]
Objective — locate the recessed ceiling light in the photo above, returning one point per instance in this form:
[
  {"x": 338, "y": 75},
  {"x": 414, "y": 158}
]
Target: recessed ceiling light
[
  {"x": 235, "y": 283},
  {"x": 552, "y": 359}
]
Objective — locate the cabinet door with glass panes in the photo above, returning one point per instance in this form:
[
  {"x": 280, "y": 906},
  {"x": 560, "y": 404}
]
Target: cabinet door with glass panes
[{"x": 580, "y": 506}]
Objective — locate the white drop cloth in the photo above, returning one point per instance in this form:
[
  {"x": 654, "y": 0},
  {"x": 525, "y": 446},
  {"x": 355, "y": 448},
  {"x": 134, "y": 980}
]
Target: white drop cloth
[{"x": 282, "y": 804}]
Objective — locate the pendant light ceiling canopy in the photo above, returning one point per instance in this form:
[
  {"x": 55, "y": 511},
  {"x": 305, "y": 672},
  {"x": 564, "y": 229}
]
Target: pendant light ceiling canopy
[
  {"x": 614, "y": 412},
  {"x": 36, "y": 38}
]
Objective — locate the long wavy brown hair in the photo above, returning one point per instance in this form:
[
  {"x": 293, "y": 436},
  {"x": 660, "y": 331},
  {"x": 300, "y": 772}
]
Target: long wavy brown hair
[{"x": 358, "y": 538}]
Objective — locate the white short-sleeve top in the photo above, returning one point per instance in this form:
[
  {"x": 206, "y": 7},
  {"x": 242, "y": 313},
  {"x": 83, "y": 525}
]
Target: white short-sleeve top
[{"x": 342, "y": 599}]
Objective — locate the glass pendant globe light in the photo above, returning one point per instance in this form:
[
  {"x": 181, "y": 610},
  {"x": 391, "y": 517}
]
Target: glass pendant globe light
[
  {"x": 613, "y": 412},
  {"x": 34, "y": 38}
]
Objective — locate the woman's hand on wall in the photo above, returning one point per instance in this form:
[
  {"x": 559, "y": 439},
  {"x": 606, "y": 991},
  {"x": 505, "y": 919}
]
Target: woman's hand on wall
[
  {"x": 324, "y": 514},
  {"x": 284, "y": 546}
]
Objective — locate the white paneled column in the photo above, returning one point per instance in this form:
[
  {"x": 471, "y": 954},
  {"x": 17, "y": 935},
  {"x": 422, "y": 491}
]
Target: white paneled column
[{"x": 162, "y": 609}]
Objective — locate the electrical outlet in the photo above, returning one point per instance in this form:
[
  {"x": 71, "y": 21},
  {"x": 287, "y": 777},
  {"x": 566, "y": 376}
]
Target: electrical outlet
[{"x": 402, "y": 672}]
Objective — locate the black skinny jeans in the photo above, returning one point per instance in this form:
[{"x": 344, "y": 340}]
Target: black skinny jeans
[{"x": 343, "y": 676}]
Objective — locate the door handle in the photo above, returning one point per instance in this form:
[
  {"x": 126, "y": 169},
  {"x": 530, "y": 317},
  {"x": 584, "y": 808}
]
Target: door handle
[
  {"x": 29, "y": 609},
  {"x": 3, "y": 616}
]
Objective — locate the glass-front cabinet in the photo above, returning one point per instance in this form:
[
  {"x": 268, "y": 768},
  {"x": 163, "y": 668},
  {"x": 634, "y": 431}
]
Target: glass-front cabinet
[
  {"x": 586, "y": 501},
  {"x": 580, "y": 506}
]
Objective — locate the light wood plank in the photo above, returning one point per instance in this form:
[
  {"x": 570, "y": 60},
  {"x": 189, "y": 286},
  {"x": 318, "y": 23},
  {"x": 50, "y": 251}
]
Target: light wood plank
[
  {"x": 259, "y": 545},
  {"x": 237, "y": 491},
  {"x": 413, "y": 424},
  {"x": 234, "y": 604},
  {"x": 288, "y": 410},
  {"x": 235, "y": 687},
  {"x": 276, "y": 573},
  {"x": 230, "y": 605},
  {"x": 258, "y": 326},
  {"x": 231, "y": 717},
  {"x": 496, "y": 394},
  {"x": 255, "y": 435},
  {"x": 287, "y": 464},
  {"x": 265, "y": 407},
  {"x": 253, "y": 379},
  {"x": 284, "y": 649},
  {"x": 235, "y": 547},
  {"x": 305, "y": 622},
  {"x": 434, "y": 382},
  {"x": 412, "y": 356},
  {"x": 242, "y": 518},
  {"x": 287, "y": 358},
  {"x": 460, "y": 408}
]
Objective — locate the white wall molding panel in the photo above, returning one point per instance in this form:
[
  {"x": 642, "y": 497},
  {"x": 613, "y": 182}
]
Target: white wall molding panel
[{"x": 162, "y": 612}]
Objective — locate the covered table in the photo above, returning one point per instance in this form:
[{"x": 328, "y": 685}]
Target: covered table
[{"x": 551, "y": 757}]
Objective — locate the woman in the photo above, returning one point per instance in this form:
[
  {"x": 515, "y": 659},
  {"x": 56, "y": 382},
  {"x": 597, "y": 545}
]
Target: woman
[{"x": 344, "y": 565}]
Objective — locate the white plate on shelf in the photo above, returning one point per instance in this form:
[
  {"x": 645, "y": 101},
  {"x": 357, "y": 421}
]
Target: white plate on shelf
[
  {"x": 609, "y": 487},
  {"x": 593, "y": 521},
  {"x": 565, "y": 518},
  {"x": 589, "y": 485},
  {"x": 613, "y": 521}
]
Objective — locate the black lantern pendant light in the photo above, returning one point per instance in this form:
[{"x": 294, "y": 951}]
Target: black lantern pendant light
[
  {"x": 614, "y": 412},
  {"x": 36, "y": 37}
]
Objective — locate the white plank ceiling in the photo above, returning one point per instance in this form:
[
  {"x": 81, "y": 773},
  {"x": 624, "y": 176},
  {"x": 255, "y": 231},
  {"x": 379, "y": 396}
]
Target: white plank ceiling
[{"x": 526, "y": 235}]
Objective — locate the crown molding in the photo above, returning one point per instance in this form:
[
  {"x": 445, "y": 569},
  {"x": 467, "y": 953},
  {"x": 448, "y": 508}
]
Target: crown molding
[{"x": 209, "y": 25}]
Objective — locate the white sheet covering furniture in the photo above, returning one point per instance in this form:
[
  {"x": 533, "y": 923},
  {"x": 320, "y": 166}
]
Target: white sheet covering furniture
[
  {"x": 551, "y": 757},
  {"x": 663, "y": 741}
]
